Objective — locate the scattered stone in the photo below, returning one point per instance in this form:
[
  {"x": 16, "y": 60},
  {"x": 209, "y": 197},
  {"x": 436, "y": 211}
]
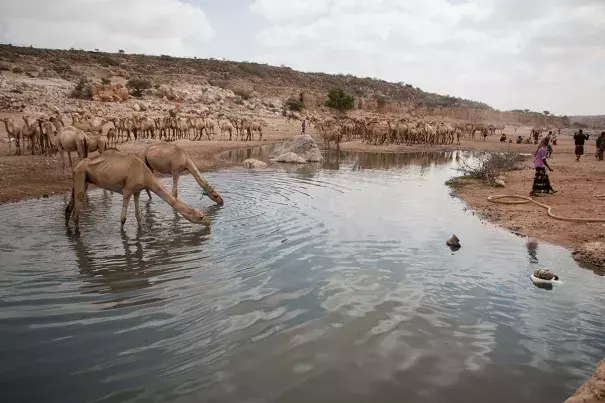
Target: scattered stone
[
  {"x": 252, "y": 163},
  {"x": 500, "y": 181},
  {"x": 291, "y": 158},
  {"x": 592, "y": 253},
  {"x": 136, "y": 107}
]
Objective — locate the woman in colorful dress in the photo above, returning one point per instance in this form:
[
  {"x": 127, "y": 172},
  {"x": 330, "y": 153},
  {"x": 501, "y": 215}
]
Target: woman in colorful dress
[{"x": 541, "y": 181}]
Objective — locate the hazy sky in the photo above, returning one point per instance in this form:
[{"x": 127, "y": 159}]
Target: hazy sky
[{"x": 511, "y": 54}]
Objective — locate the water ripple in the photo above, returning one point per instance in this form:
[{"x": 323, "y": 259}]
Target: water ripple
[{"x": 327, "y": 284}]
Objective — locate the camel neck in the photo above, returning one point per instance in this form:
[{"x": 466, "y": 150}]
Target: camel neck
[
  {"x": 198, "y": 176},
  {"x": 176, "y": 204}
]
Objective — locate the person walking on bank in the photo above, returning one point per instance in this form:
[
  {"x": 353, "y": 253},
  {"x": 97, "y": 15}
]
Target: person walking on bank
[
  {"x": 600, "y": 146},
  {"x": 541, "y": 184},
  {"x": 579, "y": 138},
  {"x": 304, "y": 125}
]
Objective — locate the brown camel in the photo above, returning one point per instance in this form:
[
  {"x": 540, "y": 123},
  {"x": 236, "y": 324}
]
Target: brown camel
[
  {"x": 168, "y": 158},
  {"x": 125, "y": 174},
  {"x": 13, "y": 132},
  {"x": 70, "y": 139}
]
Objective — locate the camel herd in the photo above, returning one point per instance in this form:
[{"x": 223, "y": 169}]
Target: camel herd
[
  {"x": 84, "y": 134},
  {"x": 396, "y": 131}
]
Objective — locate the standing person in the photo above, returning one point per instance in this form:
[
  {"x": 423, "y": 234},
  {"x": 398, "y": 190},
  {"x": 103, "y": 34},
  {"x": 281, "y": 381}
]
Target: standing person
[
  {"x": 600, "y": 146},
  {"x": 541, "y": 184},
  {"x": 549, "y": 147},
  {"x": 304, "y": 125},
  {"x": 579, "y": 138}
]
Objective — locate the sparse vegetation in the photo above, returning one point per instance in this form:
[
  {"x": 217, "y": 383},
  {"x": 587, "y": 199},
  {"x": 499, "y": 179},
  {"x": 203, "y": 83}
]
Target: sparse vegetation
[
  {"x": 294, "y": 104},
  {"x": 381, "y": 101},
  {"x": 18, "y": 70},
  {"x": 243, "y": 93},
  {"x": 239, "y": 101},
  {"x": 83, "y": 89},
  {"x": 340, "y": 100},
  {"x": 105, "y": 81},
  {"x": 137, "y": 86},
  {"x": 491, "y": 165}
]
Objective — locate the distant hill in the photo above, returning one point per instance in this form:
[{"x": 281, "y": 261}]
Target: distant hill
[
  {"x": 69, "y": 63},
  {"x": 254, "y": 80},
  {"x": 596, "y": 121}
]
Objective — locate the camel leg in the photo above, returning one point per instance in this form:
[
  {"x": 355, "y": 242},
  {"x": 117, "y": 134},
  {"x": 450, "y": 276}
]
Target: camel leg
[
  {"x": 71, "y": 164},
  {"x": 148, "y": 193},
  {"x": 175, "y": 184},
  {"x": 78, "y": 194},
  {"x": 125, "y": 202},
  {"x": 137, "y": 207}
]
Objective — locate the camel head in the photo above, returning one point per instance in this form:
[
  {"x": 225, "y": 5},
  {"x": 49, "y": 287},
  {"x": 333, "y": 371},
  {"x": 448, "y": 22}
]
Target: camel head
[
  {"x": 214, "y": 196},
  {"x": 196, "y": 217}
]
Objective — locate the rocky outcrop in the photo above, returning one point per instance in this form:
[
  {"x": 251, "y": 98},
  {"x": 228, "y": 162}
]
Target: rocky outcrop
[
  {"x": 109, "y": 93},
  {"x": 593, "y": 391},
  {"x": 252, "y": 163},
  {"x": 291, "y": 158},
  {"x": 592, "y": 253},
  {"x": 304, "y": 146}
]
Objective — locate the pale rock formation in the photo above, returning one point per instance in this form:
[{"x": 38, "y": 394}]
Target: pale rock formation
[
  {"x": 302, "y": 145},
  {"x": 252, "y": 163},
  {"x": 291, "y": 158}
]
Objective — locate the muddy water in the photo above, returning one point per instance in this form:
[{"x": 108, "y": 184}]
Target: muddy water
[{"x": 314, "y": 284}]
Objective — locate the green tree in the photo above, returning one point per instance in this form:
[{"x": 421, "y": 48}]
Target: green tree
[
  {"x": 340, "y": 100},
  {"x": 546, "y": 113},
  {"x": 138, "y": 85}
]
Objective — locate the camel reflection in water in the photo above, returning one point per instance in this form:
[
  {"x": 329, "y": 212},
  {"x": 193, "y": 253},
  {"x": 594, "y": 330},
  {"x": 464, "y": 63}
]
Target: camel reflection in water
[{"x": 131, "y": 264}]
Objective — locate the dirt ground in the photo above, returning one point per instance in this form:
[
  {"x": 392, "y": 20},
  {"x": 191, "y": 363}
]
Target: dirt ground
[{"x": 578, "y": 183}]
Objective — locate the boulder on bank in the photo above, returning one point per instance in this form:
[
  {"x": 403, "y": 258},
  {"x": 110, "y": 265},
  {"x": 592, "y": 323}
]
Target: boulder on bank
[
  {"x": 252, "y": 163},
  {"x": 592, "y": 253},
  {"x": 291, "y": 158},
  {"x": 593, "y": 391},
  {"x": 304, "y": 146}
]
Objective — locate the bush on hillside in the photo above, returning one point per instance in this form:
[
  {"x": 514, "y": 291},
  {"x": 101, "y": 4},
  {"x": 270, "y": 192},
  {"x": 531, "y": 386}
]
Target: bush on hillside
[
  {"x": 340, "y": 100},
  {"x": 137, "y": 86},
  {"x": 294, "y": 104},
  {"x": 83, "y": 89}
]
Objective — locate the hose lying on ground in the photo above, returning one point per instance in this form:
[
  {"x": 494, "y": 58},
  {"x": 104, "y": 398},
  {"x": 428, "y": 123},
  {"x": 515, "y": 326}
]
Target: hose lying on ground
[{"x": 525, "y": 199}]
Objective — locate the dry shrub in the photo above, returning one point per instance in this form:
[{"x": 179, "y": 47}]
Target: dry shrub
[
  {"x": 83, "y": 89},
  {"x": 18, "y": 70},
  {"x": 243, "y": 93},
  {"x": 489, "y": 166}
]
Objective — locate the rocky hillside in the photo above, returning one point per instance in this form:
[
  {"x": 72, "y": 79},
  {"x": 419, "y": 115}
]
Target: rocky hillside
[
  {"x": 594, "y": 121},
  {"x": 251, "y": 85},
  {"x": 71, "y": 64}
]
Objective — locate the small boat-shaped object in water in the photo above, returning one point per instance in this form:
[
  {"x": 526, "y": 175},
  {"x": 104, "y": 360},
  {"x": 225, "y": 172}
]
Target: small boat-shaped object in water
[{"x": 537, "y": 280}]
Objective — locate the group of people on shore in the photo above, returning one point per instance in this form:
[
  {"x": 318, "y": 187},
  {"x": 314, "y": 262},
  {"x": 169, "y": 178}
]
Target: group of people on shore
[{"x": 541, "y": 185}]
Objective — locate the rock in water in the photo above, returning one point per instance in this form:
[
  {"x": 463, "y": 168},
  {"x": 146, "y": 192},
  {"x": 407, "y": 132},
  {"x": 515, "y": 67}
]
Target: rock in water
[
  {"x": 593, "y": 391},
  {"x": 453, "y": 242},
  {"x": 544, "y": 274},
  {"x": 252, "y": 163},
  {"x": 592, "y": 253},
  {"x": 302, "y": 145},
  {"x": 292, "y": 158}
]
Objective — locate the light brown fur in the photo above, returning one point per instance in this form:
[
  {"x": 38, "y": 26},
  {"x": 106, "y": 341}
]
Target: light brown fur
[{"x": 125, "y": 174}]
